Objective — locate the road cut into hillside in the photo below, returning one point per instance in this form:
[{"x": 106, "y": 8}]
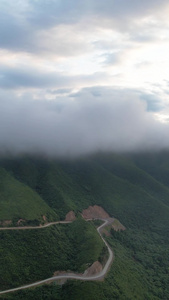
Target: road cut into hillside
[{"x": 83, "y": 277}]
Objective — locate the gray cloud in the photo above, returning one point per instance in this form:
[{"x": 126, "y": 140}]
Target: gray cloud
[
  {"x": 112, "y": 58},
  {"x": 86, "y": 122},
  {"x": 29, "y": 77},
  {"x": 59, "y": 91},
  {"x": 153, "y": 102},
  {"x": 15, "y": 30},
  {"x": 70, "y": 12},
  {"x": 90, "y": 119},
  {"x": 22, "y": 24}
]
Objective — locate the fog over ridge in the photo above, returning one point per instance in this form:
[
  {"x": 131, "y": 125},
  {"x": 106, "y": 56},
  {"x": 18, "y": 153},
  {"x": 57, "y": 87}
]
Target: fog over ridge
[
  {"x": 85, "y": 122},
  {"x": 83, "y": 76}
]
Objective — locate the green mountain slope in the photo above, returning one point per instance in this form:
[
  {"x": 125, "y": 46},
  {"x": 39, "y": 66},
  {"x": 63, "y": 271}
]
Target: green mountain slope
[
  {"x": 156, "y": 164},
  {"x": 34, "y": 254},
  {"x": 112, "y": 181},
  {"x": 18, "y": 201},
  {"x": 126, "y": 168},
  {"x": 134, "y": 189}
]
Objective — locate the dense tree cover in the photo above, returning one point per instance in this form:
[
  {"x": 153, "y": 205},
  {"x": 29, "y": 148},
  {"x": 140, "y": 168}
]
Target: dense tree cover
[
  {"x": 112, "y": 181},
  {"x": 32, "y": 255},
  {"x": 18, "y": 201},
  {"x": 133, "y": 188},
  {"x": 140, "y": 271},
  {"x": 148, "y": 252}
]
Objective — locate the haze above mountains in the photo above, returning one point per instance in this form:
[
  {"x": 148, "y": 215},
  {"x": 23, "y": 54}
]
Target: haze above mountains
[
  {"x": 85, "y": 77},
  {"x": 30, "y": 185},
  {"x": 84, "y": 120},
  {"x": 93, "y": 120}
]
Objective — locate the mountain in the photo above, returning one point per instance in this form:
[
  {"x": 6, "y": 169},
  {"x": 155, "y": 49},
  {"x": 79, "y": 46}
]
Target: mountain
[
  {"x": 115, "y": 182},
  {"x": 134, "y": 188},
  {"x": 18, "y": 201}
]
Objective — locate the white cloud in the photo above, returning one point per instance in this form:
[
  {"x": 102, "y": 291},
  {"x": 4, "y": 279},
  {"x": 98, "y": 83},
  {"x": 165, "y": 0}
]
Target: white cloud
[
  {"x": 52, "y": 50},
  {"x": 91, "y": 120}
]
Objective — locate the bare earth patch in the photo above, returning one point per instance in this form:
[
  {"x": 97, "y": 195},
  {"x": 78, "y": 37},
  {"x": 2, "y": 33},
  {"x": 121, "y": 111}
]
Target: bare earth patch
[
  {"x": 94, "y": 269},
  {"x": 44, "y": 218},
  {"x": 5, "y": 223},
  {"x": 20, "y": 222},
  {"x": 70, "y": 216},
  {"x": 60, "y": 281},
  {"x": 117, "y": 226},
  {"x": 95, "y": 212},
  {"x": 106, "y": 232}
]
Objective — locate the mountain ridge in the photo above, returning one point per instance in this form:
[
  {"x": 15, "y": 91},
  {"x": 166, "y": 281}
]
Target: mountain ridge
[{"x": 131, "y": 188}]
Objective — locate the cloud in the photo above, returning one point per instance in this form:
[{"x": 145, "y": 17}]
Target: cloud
[
  {"x": 87, "y": 122},
  {"x": 60, "y": 65},
  {"x": 30, "y": 77},
  {"x": 28, "y": 25},
  {"x": 11, "y": 78},
  {"x": 63, "y": 11},
  {"x": 153, "y": 102},
  {"x": 60, "y": 91},
  {"x": 15, "y": 30},
  {"x": 112, "y": 58}
]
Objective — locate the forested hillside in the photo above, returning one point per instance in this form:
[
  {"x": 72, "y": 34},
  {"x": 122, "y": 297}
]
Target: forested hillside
[
  {"x": 132, "y": 188},
  {"x": 31, "y": 255},
  {"x": 18, "y": 201}
]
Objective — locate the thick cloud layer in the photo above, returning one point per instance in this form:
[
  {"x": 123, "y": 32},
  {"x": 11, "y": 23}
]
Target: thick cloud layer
[
  {"x": 86, "y": 122},
  {"x": 82, "y": 76}
]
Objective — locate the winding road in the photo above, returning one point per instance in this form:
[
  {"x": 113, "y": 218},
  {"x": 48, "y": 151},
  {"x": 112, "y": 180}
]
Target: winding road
[{"x": 98, "y": 276}]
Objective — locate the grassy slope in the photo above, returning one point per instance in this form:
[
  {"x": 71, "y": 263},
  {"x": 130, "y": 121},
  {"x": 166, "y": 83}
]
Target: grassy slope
[{"x": 19, "y": 201}]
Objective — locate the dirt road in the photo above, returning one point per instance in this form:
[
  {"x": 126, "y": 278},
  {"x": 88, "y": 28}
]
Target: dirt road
[{"x": 98, "y": 276}]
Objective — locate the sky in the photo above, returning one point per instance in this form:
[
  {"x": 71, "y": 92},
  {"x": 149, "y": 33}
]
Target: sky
[{"x": 83, "y": 76}]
